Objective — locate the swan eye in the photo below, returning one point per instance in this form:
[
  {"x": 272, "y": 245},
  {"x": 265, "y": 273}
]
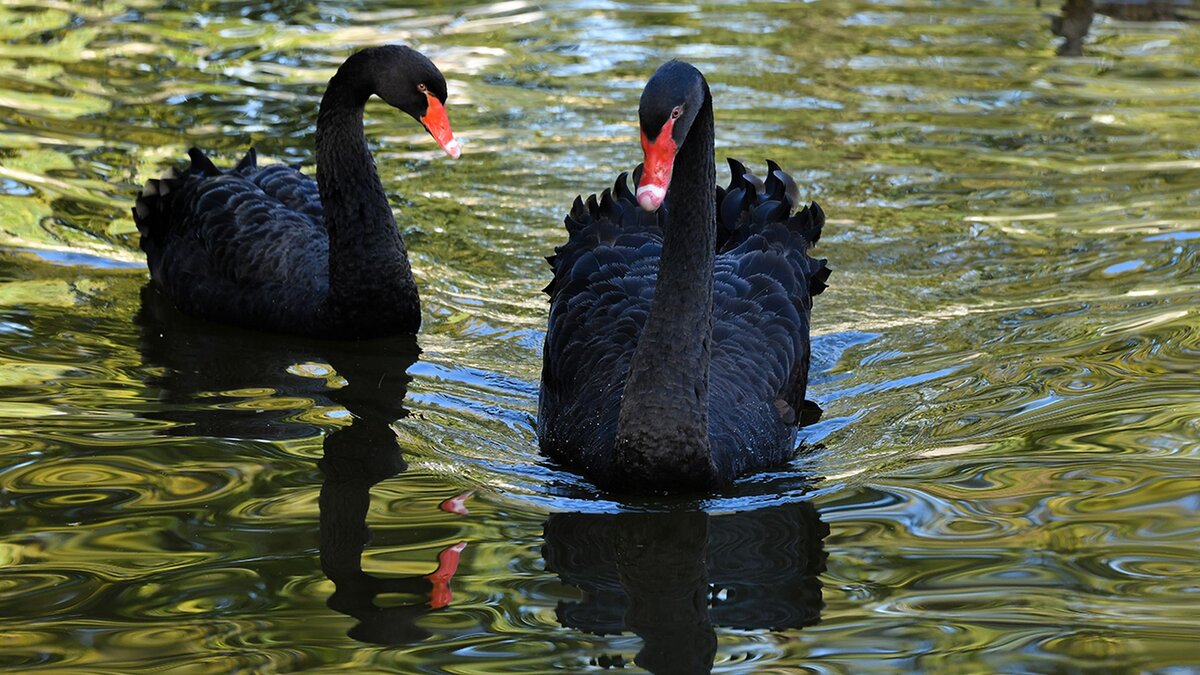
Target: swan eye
[
  {"x": 422, "y": 88},
  {"x": 676, "y": 112}
]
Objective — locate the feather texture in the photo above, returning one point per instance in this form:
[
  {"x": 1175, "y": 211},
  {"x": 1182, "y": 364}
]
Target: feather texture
[
  {"x": 238, "y": 246},
  {"x": 600, "y": 297},
  {"x": 271, "y": 248}
]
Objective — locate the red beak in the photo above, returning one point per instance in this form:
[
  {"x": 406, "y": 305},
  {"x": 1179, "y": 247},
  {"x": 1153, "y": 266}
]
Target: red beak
[
  {"x": 656, "y": 170},
  {"x": 438, "y": 124}
]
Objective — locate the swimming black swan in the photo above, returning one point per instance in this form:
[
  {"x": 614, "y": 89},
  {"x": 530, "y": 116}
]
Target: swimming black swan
[
  {"x": 269, "y": 248},
  {"x": 677, "y": 352}
]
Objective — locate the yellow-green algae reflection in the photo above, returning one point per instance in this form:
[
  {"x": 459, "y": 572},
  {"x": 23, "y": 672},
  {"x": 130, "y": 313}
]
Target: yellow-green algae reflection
[{"x": 1005, "y": 479}]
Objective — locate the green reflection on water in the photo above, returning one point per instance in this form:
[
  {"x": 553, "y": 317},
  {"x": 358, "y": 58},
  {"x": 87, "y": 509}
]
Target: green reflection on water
[{"x": 1007, "y": 356}]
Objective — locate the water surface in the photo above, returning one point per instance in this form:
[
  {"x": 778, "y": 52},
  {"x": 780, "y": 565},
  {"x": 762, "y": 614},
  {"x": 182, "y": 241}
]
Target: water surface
[{"x": 1005, "y": 478}]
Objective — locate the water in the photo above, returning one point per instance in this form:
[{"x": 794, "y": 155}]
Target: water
[{"x": 1005, "y": 478}]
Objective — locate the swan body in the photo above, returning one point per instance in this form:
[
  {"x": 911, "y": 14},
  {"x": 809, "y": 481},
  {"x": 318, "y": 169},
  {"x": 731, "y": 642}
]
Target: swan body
[
  {"x": 271, "y": 248},
  {"x": 677, "y": 350}
]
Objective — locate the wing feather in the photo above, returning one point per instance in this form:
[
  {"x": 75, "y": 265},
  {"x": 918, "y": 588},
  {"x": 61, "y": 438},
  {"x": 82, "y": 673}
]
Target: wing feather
[{"x": 235, "y": 244}]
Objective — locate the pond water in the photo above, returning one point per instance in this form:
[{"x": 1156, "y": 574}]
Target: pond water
[{"x": 1006, "y": 477}]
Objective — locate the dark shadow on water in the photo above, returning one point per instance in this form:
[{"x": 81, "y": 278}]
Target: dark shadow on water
[
  {"x": 670, "y": 577},
  {"x": 673, "y": 577},
  {"x": 196, "y": 361},
  {"x": 357, "y": 458},
  {"x": 1075, "y": 19}
]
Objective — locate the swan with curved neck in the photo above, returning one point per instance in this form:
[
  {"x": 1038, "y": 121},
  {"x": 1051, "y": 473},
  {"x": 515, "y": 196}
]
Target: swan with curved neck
[
  {"x": 676, "y": 355},
  {"x": 270, "y": 248}
]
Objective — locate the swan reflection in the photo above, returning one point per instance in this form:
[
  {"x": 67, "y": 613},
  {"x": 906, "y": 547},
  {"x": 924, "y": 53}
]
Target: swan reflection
[
  {"x": 357, "y": 458},
  {"x": 1075, "y": 18},
  {"x": 672, "y": 578},
  {"x": 204, "y": 371}
]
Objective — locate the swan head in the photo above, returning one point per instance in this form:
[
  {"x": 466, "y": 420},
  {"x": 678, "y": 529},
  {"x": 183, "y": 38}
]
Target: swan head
[
  {"x": 406, "y": 79},
  {"x": 670, "y": 102}
]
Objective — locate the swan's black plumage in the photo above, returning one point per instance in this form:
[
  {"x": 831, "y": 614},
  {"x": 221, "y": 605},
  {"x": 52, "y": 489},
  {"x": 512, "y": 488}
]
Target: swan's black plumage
[
  {"x": 269, "y": 247},
  {"x": 763, "y": 281},
  {"x": 246, "y": 246}
]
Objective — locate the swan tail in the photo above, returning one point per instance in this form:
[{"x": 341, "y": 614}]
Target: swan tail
[{"x": 151, "y": 209}]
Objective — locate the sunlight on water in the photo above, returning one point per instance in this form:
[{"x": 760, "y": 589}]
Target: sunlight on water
[{"x": 1004, "y": 479}]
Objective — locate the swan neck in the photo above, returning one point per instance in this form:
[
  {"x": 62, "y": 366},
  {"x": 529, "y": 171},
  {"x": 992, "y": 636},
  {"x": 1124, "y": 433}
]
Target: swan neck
[
  {"x": 368, "y": 263},
  {"x": 662, "y": 430}
]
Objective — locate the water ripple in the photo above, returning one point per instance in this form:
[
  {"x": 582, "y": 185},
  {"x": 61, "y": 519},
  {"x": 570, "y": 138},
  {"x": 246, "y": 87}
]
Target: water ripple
[{"x": 1006, "y": 355}]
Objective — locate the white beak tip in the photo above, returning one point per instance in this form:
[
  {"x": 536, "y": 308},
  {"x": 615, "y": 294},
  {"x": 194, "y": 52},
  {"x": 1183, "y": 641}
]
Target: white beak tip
[
  {"x": 650, "y": 197},
  {"x": 453, "y": 148}
]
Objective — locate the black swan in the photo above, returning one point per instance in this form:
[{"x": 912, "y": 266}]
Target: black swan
[
  {"x": 677, "y": 351},
  {"x": 270, "y": 248}
]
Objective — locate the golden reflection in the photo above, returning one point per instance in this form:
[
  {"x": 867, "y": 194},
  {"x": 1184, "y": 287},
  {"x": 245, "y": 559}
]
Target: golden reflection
[{"x": 1009, "y": 379}]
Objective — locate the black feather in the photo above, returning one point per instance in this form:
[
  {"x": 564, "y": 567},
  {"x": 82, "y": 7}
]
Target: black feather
[
  {"x": 201, "y": 164},
  {"x": 773, "y": 187},
  {"x": 604, "y": 277},
  {"x": 249, "y": 162}
]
